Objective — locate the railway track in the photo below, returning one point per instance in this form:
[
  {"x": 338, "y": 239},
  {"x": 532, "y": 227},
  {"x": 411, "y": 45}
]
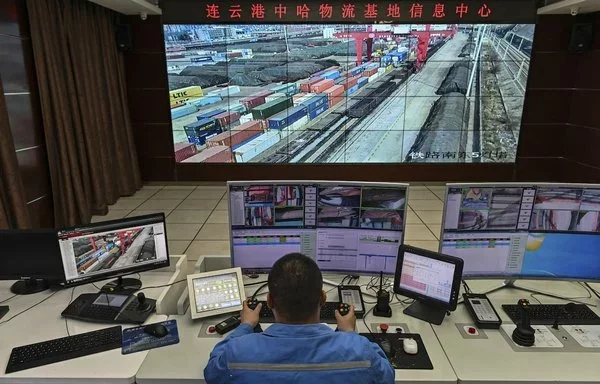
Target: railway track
[{"x": 516, "y": 61}]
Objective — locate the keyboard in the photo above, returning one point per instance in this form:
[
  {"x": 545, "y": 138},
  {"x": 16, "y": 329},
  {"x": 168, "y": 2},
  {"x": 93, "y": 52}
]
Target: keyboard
[
  {"x": 327, "y": 313},
  {"x": 64, "y": 348},
  {"x": 548, "y": 314}
]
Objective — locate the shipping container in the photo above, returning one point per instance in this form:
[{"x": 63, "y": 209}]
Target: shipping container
[
  {"x": 352, "y": 90},
  {"x": 184, "y": 151},
  {"x": 182, "y": 93},
  {"x": 203, "y": 101},
  {"x": 306, "y": 84},
  {"x": 340, "y": 80},
  {"x": 237, "y": 136},
  {"x": 184, "y": 110},
  {"x": 389, "y": 68},
  {"x": 266, "y": 110},
  {"x": 237, "y": 108},
  {"x": 362, "y": 81},
  {"x": 381, "y": 71},
  {"x": 246, "y": 118},
  {"x": 374, "y": 77},
  {"x": 182, "y": 101},
  {"x": 314, "y": 102},
  {"x": 249, "y": 151},
  {"x": 274, "y": 96},
  {"x": 369, "y": 72},
  {"x": 299, "y": 125},
  {"x": 218, "y": 154},
  {"x": 225, "y": 91},
  {"x": 322, "y": 86},
  {"x": 206, "y": 123},
  {"x": 209, "y": 114},
  {"x": 335, "y": 100},
  {"x": 356, "y": 71},
  {"x": 287, "y": 117},
  {"x": 315, "y": 113},
  {"x": 226, "y": 119},
  {"x": 298, "y": 96},
  {"x": 334, "y": 91},
  {"x": 285, "y": 88},
  {"x": 331, "y": 75},
  {"x": 255, "y": 99}
]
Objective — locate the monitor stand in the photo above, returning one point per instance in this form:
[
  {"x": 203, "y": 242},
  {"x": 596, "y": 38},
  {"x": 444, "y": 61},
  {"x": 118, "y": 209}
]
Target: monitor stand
[
  {"x": 29, "y": 286},
  {"x": 510, "y": 283},
  {"x": 428, "y": 313},
  {"x": 122, "y": 285}
]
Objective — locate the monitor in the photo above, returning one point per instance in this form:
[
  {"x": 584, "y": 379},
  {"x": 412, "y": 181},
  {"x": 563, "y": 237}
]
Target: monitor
[
  {"x": 32, "y": 257},
  {"x": 216, "y": 292},
  {"x": 432, "y": 279},
  {"x": 523, "y": 230},
  {"x": 114, "y": 249},
  {"x": 346, "y": 227}
]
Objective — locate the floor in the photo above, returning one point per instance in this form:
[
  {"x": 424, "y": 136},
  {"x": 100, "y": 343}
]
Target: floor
[{"x": 197, "y": 222}]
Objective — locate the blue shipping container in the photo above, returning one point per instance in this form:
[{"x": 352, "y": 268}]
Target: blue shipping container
[
  {"x": 201, "y": 137},
  {"x": 315, "y": 102},
  {"x": 331, "y": 75},
  {"x": 208, "y": 114},
  {"x": 238, "y": 108},
  {"x": 204, "y": 101},
  {"x": 357, "y": 71},
  {"x": 185, "y": 110},
  {"x": 288, "y": 117},
  {"x": 258, "y": 133},
  {"x": 352, "y": 89},
  {"x": 317, "y": 112},
  {"x": 362, "y": 81}
]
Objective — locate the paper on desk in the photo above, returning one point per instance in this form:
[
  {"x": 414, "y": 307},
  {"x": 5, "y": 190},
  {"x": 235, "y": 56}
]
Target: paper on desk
[
  {"x": 543, "y": 337},
  {"x": 588, "y": 336}
]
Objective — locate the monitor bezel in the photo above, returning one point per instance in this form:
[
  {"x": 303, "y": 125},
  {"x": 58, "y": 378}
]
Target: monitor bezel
[
  {"x": 456, "y": 281},
  {"x": 122, "y": 223},
  {"x": 511, "y": 277},
  {"x": 295, "y": 182},
  {"x": 192, "y": 296}
]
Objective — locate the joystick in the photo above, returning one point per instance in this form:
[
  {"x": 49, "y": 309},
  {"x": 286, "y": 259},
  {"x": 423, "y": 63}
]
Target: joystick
[
  {"x": 143, "y": 304},
  {"x": 382, "y": 308},
  {"x": 524, "y": 334},
  {"x": 344, "y": 309},
  {"x": 252, "y": 303}
]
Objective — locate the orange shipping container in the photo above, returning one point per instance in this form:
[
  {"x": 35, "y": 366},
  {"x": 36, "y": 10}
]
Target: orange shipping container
[
  {"x": 321, "y": 86},
  {"x": 369, "y": 72},
  {"x": 219, "y": 154},
  {"x": 184, "y": 150},
  {"x": 237, "y": 135},
  {"x": 305, "y": 84},
  {"x": 335, "y": 100},
  {"x": 334, "y": 91},
  {"x": 298, "y": 96}
]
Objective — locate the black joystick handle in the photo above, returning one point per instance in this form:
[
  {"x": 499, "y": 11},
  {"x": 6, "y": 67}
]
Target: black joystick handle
[
  {"x": 252, "y": 303},
  {"x": 344, "y": 309},
  {"x": 524, "y": 334},
  {"x": 143, "y": 304}
]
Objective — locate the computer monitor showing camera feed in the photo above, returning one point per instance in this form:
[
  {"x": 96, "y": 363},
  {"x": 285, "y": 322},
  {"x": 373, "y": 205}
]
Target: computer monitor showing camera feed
[
  {"x": 524, "y": 230},
  {"x": 113, "y": 248},
  {"x": 343, "y": 226}
]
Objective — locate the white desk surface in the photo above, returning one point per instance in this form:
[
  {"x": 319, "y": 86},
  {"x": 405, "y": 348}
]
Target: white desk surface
[
  {"x": 44, "y": 322},
  {"x": 492, "y": 360},
  {"x": 185, "y": 362}
]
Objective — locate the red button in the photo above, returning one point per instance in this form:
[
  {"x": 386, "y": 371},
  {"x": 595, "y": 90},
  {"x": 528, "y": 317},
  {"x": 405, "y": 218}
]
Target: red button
[
  {"x": 211, "y": 329},
  {"x": 384, "y": 327},
  {"x": 472, "y": 330}
]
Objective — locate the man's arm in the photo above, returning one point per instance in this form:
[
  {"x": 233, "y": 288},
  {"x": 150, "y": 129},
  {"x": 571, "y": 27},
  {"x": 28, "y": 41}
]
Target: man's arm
[
  {"x": 216, "y": 369},
  {"x": 383, "y": 372}
]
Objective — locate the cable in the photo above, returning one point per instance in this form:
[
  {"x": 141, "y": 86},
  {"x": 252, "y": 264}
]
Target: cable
[
  {"x": 70, "y": 301},
  {"x": 466, "y": 287},
  {"x": 255, "y": 283},
  {"x": 592, "y": 290},
  {"x": 162, "y": 286},
  {"x": 5, "y": 300},
  {"x": 25, "y": 310},
  {"x": 259, "y": 289}
]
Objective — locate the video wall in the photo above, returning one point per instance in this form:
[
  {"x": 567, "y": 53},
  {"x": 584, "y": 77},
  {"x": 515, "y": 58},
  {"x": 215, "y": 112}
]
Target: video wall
[{"x": 347, "y": 93}]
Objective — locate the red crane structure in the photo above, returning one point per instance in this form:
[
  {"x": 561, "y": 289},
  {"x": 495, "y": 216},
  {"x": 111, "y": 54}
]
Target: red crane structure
[{"x": 423, "y": 38}]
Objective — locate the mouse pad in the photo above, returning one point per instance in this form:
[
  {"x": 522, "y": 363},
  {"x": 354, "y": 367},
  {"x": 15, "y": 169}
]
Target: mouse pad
[
  {"x": 401, "y": 359},
  {"x": 136, "y": 340}
]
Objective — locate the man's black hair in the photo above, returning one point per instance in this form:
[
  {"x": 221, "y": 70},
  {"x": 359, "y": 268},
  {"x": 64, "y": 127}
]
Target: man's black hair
[{"x": 295, "y": 286}]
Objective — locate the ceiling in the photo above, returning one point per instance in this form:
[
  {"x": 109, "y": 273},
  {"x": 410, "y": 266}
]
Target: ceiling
[{"x": 130, "y": 7}]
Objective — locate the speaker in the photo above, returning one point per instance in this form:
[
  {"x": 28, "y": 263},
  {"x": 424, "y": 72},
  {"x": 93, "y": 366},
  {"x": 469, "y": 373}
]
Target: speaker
[
  {"x": 123, "y": 37},
  {"x": 582, "y": 37}
]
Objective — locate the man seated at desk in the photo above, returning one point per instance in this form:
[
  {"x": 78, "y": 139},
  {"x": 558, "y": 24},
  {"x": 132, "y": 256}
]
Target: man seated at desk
[{"x": 298, "y": 348}]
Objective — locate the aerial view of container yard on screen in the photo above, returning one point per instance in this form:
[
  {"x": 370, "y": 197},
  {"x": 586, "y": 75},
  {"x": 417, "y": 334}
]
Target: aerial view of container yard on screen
[{"x": 347, "y": 93}]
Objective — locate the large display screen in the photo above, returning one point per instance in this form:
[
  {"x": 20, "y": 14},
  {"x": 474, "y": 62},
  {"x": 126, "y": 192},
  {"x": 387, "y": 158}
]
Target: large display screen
[
  {"x": 524, "y": 230},
  {"x": 347, "y": 93},
  {"x": 345, "y": 227}
]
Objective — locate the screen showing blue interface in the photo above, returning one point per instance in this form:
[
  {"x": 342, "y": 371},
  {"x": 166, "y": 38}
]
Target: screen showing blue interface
[
  {"x": 541, "y": 231},
  {"x": 344, "y": 227}
]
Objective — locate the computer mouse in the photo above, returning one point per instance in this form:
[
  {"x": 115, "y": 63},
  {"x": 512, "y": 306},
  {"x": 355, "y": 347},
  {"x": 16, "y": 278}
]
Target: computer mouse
[
  {"x": 410, "y": 346},
  {"x": 386, "y": 346},
  {"x": 156, "y": 330}
]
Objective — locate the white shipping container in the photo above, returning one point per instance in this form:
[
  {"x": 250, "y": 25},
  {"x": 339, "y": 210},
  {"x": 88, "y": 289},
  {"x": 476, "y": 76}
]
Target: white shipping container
[
  {"x": 373, "y": 77},
  {"x": 257, "y": 146},
  {"x": 300, "y": 124},
  {"x": 381, "y": 70},
  {"x": 274, "y": 96},
  {"x": 246, "y": 118}
]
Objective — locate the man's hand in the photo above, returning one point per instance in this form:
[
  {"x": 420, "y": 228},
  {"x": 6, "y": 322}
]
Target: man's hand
[
  {"x": 346, "y": 323},
  {"x": 250, "y": 316}
]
